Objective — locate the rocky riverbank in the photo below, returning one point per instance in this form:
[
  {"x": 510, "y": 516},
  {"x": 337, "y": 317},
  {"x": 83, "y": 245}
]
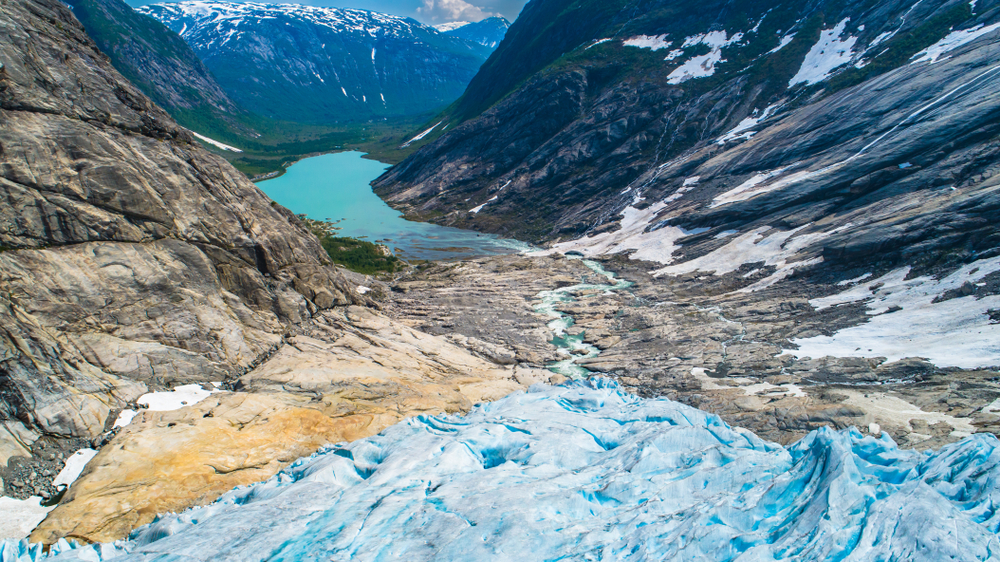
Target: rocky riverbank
[{"x": 698, "y": 340}]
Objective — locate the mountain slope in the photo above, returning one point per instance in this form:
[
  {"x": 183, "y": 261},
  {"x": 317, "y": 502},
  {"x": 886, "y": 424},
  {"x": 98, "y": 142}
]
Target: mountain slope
[
  {"x": 768, "y": 158},
  {"x": 488, "y": 32},
  {"x": 783, "y": 101},
  {"x": 324, "y": 65},
  {"x": 161, "y": 64},
  {"x": 133, "y": 261},
  {"x": 132, "y": 258}
]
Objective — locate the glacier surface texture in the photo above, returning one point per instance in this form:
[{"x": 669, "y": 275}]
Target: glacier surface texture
[{"x": 590, "y": 472}]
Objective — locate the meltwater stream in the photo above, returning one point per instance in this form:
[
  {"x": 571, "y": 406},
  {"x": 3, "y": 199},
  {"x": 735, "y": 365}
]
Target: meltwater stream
[{"x": 573, "y": 345}]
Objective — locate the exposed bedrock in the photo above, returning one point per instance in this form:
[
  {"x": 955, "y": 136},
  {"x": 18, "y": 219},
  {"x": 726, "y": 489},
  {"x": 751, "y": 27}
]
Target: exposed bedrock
[
  {"x": 131, "y": 261},
  {"x": 726, "y": 352}
]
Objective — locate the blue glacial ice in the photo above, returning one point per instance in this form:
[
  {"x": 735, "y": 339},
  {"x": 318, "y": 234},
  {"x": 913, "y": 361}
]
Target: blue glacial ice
[{"x": 590, "y": 472}]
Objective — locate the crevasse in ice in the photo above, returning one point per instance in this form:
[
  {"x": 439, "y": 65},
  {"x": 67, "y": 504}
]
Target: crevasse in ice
[{"x": 590, "y": 472}]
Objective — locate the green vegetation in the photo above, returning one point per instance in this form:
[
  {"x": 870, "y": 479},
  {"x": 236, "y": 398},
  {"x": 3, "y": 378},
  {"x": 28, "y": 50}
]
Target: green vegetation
[
  {"x": 360, "y": 256},
  {"x": 357, "y": 255}
]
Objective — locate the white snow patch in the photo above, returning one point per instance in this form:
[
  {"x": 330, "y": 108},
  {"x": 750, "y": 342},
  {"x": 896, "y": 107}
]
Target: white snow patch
[
  {"x": 652, "y": 42},
  {"x": 952, "y": 41},
  {"x": 475, "y": 210},
  {"x": 896, "y": 411},
  {"x": 686, "y": 187},
  {"x": 760, "y": 21},
  {"x": 726, "y": 234},
  {"x": 214, "y": 142},
  {"x": 972, "y": 5},
  {"x": 992, "y": 407},
  {"x": 674, "y": 54},
  {"x": 853, "y": 281},
  {"x": 782, "y": 43},
  {"x": 693, "y": 180},
  {"x": 421, "y": 135},
  {"x": 702, "y": 66},
  {"x": 826, "y": 55},
  {"x": 125, "y": 417},
  {"x": 450, "y": 26},
  {"x": 748, "y": 386},
  {"x": 20, "y": 517},
  {"x": 953, "y": 333},
  {"x": 777, "y": 250},
  {"x": 748, "y": 189},
  {"x": 597, "y": 42},
  {"x": 657, "y": 246},
  {"x": 362, "y": 289},
  {"x": 882, "y": 37},
  {"x": 186, "y": 395},
  {"x": 741, "y": 130},
  {"x": 74, "y": 466}
]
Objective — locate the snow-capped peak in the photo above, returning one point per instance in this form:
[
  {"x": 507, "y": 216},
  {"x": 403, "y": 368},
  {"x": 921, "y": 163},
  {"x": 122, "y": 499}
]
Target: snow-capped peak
[{"x": 450, "y": 26}]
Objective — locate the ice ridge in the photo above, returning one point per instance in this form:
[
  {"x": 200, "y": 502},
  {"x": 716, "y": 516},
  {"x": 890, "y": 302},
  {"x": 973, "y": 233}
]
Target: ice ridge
[{"x": 589, "y": 472}]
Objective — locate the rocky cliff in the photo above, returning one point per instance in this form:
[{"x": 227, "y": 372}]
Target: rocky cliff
[{"x": 133, "y": 260}]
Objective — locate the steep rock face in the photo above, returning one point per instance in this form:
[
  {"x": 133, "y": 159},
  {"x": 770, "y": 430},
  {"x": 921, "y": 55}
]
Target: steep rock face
[
  {"x": 311, "y": 64},
  {"x": 785, "y": 114},
  {"x": 157, "y": 61},
  {"x": 133, "y": 259}
]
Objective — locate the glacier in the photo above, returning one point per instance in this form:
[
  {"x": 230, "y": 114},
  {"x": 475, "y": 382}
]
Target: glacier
[{"x": 587, "y": 471}]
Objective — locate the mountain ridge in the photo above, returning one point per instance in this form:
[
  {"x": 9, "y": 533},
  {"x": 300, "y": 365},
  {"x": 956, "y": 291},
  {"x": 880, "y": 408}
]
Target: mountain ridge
[
  {"x": 488, "y": 32},
  {"x": 323, "y": 65}
]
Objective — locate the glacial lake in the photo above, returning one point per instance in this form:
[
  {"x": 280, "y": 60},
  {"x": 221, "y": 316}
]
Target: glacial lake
[{"x": 336, "y": 188}]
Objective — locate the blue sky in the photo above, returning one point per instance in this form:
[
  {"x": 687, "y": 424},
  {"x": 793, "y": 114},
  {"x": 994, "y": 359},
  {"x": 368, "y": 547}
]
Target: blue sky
[{"x": 426, "y": 11}]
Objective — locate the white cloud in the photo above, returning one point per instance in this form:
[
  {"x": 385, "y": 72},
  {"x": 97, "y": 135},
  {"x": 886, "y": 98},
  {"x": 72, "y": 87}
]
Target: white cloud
[{"x": 452, "y": 10}]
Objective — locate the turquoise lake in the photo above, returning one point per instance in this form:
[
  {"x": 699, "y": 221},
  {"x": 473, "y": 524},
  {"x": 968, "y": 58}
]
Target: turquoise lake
[{"x": 336, "y": 188}]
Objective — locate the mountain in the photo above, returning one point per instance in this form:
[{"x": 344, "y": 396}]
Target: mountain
[
  {"x": 488, "y": 32},
  {"x": 859, "y": 133},
  {"x": 323, "y": 65},
  {"x": 132, "y": 258},
  {"x": 138, "y": 270},
  {"x": 161, "y": 64}
]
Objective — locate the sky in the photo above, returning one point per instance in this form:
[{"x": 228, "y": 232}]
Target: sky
[{"x": 426, "y": 11}]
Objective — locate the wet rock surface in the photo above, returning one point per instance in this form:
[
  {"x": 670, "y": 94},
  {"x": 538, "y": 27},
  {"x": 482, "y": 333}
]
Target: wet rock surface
[{"x": 694, "y": 341}]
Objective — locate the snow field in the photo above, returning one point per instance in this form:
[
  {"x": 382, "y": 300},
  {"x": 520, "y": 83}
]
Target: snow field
[
  {"x": 907, "y": 322},
  {"x": 830, "y": 52}
]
